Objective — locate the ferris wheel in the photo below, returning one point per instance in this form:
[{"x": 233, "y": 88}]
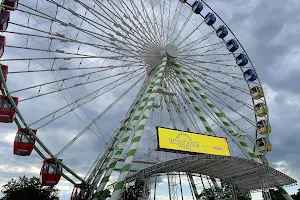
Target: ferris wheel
[{"x": 173, "y": 64}]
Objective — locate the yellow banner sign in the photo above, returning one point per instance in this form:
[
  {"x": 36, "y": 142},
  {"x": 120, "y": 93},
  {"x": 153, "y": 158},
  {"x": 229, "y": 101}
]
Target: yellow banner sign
[{"x": 175, "y": 140}]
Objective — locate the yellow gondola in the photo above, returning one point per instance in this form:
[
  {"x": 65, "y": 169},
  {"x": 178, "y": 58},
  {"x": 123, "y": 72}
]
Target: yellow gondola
[
  {"x": 263, "y": 145},
  {"x": 256, "y": 92},
  {"x": 263, "y": 127},
  {"x": 261, "y": 109}
]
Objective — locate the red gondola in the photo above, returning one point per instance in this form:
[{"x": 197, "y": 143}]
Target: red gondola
[
  {"x": 51, "y": 172},
  {"x": 4, "y": 69},
  {"x": 2, "y": 44},
  {"x": 24, "y": 142},
  {"x": 81, "y": 192},
  {"x": 13, "y": 4},
  {"x": 7, "y": 112},
  {"x": 4, "y": 19}
]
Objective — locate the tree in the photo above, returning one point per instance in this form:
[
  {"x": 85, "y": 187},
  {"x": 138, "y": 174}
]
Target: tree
[
  {"x": 275, "y": 195},
  {"x": 207, "y": 194},
  {"x": 102, "y": 195},
  {"x": 297, "y": 195},
  {"x": 28, "y": 189},
  {"x": 135, "y": 190}
]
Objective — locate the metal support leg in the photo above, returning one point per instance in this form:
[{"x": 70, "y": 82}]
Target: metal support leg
[{"x": 265, "y": 188}]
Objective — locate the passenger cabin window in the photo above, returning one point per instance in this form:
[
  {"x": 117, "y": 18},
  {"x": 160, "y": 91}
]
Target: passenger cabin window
[
  {"x": 3, "y": 70},
  {"x": 52, "y": 168},
  {"x": 4, "y": 17},
  {"x": 5, "y": 104},
  {"x": 260, "y": 125}
]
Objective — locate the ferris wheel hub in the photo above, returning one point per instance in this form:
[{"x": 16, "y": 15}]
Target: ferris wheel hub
[{"x": 172, "y": 50}]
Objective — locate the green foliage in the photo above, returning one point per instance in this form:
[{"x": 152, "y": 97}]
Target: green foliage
[
  {"x": 28, "y": 189},
  {"x": 208, "y": 193},
  {"x": 297, "y": 195},
  {"x": 136, "y": 190},
  {"x": 102, "y": 195},
  {"x": 276, "y": 195},
  {"x": 243, "y": 197}
]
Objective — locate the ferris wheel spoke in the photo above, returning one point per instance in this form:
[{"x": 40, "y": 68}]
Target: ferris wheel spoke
[
  {"x": 140, "y": 28},
  {"x": 83, "y": 100},
  {"x": 188, "y": 113},
  {"x": 178, "y": 108},
  {"x": 62, "y": 68},
  {"x": 117, "y": 58},
  {"x": 141, "y": 37},
  {"x": 87, "y": 20},
  {"x": 223, "y": 92},
  {"x": 48, "y": 17},
  {"x": 169, "y": 110},
  {"x": 146, "y": 19},
  {"x": 159, "y": 19},
  {"x": 174, "y": 21},
  {"x": 163, "y": 10},
  {"x": 207, "y": 71},
  {"x": 210, "y": 79},
  {"x": 95, "y": 25},
  {"x": 112, "y": 49},
  {"x": 136, "y": 15},
  {"x": 152, "y": 24},
  {"x": 211, "y": 73},
  {"x": 243, "y": 116},
  {"x": 190, "y": 34},
  {"x": 214, "y": 62},
  {"x": 206, "y": 49},
  {"x": 183, "y": 26},
  {"x": 156, "y": 22},
  {"x": 217, "y": 99},
  {"x": 216, "y": 46},
  {"x": 196, "y": 42},
  {"x": 57, "y": 51},
  {"x": 96, "y": 119},
  {"x": 58, "y": 82},
  {"x": 61, "y": 87},
  {"x": 188, "y": 91},
  {"x": 184, "y": 101},
  {"x": 183, "y": 56}
]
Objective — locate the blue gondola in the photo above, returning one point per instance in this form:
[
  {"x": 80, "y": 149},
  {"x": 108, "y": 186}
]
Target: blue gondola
[
  {"x": 210, "y": 19},
  {"x": 222, "y": 31},
  {"x": 250, "y": 75},
  {"x": 241, "y": 60},
  {"x": 197, "y": 7},
  {"x": 232, "y": 45}
]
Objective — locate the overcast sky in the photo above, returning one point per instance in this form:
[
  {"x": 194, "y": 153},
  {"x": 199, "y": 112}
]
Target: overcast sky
[{"x": 269, "y": 31}]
